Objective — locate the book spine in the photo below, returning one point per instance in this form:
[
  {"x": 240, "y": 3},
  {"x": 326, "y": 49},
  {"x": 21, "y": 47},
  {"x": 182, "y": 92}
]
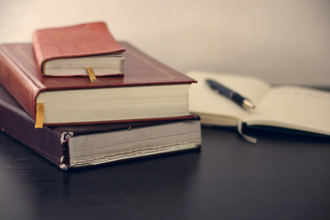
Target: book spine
[
  {"x": 18, "y": 84},
  {"x": 37, "y": 51},
  {"x": 45, "y": 141}
]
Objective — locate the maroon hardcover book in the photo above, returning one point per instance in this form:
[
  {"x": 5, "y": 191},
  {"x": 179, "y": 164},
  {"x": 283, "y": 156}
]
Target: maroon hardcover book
[
  {"x": 74, "y": 41},
  {"x": 80, "y": 146},
  {"x": 22, "y": 78}
]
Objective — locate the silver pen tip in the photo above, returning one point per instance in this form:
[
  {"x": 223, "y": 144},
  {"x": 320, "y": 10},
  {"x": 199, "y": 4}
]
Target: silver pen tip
[{"x": 247, "y": 104}]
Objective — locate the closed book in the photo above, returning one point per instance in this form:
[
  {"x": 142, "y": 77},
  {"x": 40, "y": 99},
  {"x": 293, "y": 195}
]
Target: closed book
[
  {"x": 67, "y": 51},
  {"x": 81, "y": 146},
  {"x": 149, "y": 90}
]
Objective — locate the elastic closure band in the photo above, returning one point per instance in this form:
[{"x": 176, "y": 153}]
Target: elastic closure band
[{"x": 246, "y": 137}]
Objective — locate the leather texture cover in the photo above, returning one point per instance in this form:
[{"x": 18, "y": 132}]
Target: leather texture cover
[
  {"x": 22, "y": 78},
  {"x": 74, "y": 41},
  {"x": 51, "y": 142},
  {"x": 17, "y": 123}
]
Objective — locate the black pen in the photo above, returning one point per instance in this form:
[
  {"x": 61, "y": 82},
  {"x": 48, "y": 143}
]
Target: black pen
[{"x": 237, "y": 98}]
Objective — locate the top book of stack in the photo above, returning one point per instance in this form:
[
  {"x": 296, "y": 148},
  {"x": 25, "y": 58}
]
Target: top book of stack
[
  {"x": 149, "y": 90},
  {"x": 68, "y": 51}
]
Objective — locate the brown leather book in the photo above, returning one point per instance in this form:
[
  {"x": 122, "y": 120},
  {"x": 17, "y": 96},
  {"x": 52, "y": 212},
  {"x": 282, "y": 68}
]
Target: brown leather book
[
  {"x": 81, "y": 146},
  {"x": 149, "y": 90},
  {"x": 67, "y": 51}
]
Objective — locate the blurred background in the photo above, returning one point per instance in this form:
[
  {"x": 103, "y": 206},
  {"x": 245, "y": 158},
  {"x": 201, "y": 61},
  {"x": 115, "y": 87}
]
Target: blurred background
[{"x": 281, "y": 41}]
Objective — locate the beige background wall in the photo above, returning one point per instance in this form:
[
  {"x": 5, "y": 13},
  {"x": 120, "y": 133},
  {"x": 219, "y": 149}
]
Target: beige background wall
[{"x": 282, "y": 41}]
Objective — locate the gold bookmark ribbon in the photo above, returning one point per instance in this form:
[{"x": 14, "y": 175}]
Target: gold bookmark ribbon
[
  {"x": 91, "y": 74},
  {"x": 40, "y": 115}
]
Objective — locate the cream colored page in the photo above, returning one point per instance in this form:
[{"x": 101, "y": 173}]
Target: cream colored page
[
  {"x": 203, "y": 100},
  {"x": 294, "y": 107}
]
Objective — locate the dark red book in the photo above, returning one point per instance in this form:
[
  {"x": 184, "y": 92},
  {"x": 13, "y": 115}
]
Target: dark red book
[
  {"x": 80, "y": 146},
  {"x": 67, "y": 51},
  {"x": 149, "y": 90}
]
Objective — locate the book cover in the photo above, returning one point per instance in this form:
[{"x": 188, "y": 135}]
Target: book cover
[
  {"x": 22, "y": 78},
  {"x": 73, "y": 41},
  {"x": 55, "y": 143}
]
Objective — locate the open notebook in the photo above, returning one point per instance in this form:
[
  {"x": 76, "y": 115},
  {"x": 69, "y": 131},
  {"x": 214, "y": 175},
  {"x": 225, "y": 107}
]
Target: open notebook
[{"x": 291, "y": 107}]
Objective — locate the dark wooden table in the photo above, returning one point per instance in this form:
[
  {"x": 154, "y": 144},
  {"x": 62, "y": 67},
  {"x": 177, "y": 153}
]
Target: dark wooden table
[{"x": 281, "y": 177}]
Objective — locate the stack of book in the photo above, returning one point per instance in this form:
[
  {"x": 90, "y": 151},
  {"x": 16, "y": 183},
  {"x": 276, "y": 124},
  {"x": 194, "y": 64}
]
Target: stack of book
[{"x": 133, "y": 107}]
